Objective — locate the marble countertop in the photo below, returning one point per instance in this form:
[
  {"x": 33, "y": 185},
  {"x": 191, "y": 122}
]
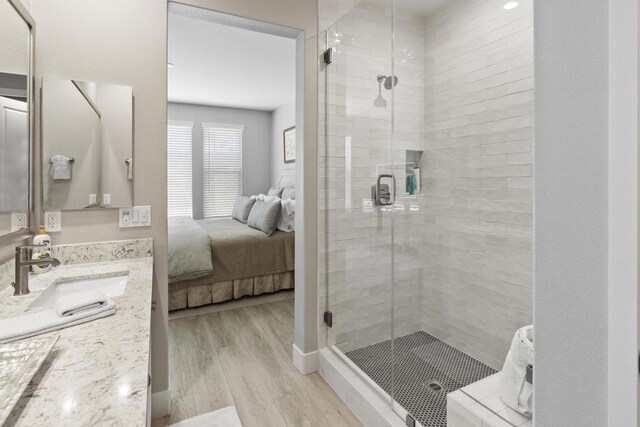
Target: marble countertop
[{"x": 97, "y": 373}]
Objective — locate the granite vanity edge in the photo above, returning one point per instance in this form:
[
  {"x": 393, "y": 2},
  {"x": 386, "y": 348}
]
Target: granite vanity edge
[{"x": 83, "y": 253}]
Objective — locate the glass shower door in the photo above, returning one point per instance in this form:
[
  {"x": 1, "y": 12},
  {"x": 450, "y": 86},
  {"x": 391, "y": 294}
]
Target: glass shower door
[{"x": 358, "y": 188}]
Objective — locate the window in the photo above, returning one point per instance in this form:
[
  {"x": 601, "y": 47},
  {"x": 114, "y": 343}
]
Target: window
[
  {"x": 222, "y": 172},
  {"x": 179, "y": 173}
]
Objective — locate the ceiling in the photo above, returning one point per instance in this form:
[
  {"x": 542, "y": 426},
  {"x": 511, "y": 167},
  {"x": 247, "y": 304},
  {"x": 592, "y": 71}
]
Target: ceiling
[
  {"x": 222, "y": 65},
  {"x": 421, "y": 7}
]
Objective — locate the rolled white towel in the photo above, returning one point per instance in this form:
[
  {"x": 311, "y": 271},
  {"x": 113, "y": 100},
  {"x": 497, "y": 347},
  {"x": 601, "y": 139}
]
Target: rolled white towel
[
  {"x": 515, "y": 391},
  {"x": 76, "y": 311},
  {"x": 80, "y": 302}
]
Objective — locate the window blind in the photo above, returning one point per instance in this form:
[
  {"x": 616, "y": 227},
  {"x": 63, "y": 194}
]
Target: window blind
[
  {"x": 222, "y": 171},
  {"x": 179, "y": 169}
]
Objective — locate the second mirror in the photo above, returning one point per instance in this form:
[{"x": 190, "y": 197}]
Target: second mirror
[{"x": 87, "y": 134}]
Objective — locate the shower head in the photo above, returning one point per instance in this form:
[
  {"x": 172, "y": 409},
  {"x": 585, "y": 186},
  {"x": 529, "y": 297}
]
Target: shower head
[
  {"x": 389, "y": 81},
  {"x": 380, "y": 102}
]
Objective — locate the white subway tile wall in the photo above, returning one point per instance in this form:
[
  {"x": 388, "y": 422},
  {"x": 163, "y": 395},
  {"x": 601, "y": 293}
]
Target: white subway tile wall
[
  {"x": 461, "y": 251},
  {"x": 477, "y": 173}
]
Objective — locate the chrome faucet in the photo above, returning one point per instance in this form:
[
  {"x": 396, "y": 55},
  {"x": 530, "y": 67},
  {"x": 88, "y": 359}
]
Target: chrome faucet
[{"x": 23, "y": 262}]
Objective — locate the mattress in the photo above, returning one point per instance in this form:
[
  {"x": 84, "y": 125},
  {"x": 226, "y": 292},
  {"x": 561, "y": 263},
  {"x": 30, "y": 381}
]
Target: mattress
[{"x": 239, "y": 251}]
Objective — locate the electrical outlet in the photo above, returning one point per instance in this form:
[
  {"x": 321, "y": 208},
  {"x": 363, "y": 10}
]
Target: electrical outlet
[
  {"x": 18, "y": 221},
  {"x": 106, "y": 199},
  {"x": 93, "y": 199},
  {"x": 52, "y": 221}
]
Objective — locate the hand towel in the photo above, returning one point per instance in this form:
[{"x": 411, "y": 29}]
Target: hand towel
[
  {"x": 61, "y": 167},
  {"x": 41, "y": 322},
  {"x": 515, "y": 391}
]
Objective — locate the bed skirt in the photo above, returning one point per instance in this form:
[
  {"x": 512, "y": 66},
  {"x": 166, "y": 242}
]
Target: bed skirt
[{"x": 211, "y": 293}]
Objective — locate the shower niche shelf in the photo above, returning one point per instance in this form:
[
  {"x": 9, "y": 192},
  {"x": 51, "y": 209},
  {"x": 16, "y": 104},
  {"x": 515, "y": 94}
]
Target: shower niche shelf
[{"x": 413, "y": 172}]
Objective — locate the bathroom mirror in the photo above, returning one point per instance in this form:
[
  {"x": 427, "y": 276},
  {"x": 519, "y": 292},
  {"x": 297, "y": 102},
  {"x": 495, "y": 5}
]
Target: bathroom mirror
[
  {"x": 16, "y": 106},
  {"x": 87, "y": 152}
]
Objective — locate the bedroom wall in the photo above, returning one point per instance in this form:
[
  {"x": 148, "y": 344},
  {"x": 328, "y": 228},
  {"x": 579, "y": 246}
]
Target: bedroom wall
[
  {"x": 256, "y": 144},
  {"x": 282, "y": 118}
]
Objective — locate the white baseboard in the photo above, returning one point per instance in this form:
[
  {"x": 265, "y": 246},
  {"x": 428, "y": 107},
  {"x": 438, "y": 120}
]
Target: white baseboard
[
  {"x": 306, "y": 363},
  {"x": 161, "y": 404}
]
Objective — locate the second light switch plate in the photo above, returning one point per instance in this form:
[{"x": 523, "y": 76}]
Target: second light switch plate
[{"x": 136, "y": 216}]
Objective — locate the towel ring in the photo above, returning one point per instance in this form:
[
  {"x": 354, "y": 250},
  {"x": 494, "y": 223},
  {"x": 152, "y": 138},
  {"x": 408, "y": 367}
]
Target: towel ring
[{"x": 71, "y": 160}]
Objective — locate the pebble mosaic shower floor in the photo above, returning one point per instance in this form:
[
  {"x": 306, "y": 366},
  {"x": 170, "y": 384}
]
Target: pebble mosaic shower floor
[{"x": 426, "y": 370}]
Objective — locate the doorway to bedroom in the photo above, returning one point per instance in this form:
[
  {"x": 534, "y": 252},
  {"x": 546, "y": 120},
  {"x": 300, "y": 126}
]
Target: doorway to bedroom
[
  {"x": 231, "y": 202},
  {"x": 231, "y": 148}
]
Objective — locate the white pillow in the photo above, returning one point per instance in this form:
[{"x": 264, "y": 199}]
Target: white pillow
[
  {"x": 274, "y": 192},
  {"x": 288, "y": 193},
  {"x": 287, "y": 220},
  {"x": 264, "y": 215}
]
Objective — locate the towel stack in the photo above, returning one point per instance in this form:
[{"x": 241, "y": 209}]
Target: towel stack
[
  {"x": 69, "y": 311},
  {"x": 516, "y": 391}
]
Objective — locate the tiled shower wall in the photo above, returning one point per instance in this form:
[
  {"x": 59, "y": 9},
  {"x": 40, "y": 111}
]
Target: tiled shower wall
[{"x": 477, "y": 169}]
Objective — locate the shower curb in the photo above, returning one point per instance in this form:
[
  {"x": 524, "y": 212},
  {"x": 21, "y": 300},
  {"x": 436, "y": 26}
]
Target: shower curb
[{"x": 371, "y": 406}]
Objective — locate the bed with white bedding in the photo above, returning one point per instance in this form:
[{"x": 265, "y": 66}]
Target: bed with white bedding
[{"x": 216, "y": 260}]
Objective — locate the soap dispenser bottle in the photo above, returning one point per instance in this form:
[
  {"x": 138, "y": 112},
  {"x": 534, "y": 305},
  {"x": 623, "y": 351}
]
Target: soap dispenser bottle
[{"x": 42, "y": 238}]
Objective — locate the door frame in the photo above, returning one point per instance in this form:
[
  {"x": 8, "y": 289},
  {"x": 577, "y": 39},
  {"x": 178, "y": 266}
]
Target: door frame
[{"x": 623, "y": 214}]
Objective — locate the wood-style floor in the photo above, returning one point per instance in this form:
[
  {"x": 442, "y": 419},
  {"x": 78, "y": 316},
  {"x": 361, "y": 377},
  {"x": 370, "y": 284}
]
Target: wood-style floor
[{"x": 242, "y": 357}]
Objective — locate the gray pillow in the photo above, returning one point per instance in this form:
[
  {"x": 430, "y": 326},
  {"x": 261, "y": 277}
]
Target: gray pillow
[
  {"x": 264, "y": 215},
  {"x": 274, "y": 192},
  {"x": 242, "y": 208},
  {"x": 288, "y": 193}
]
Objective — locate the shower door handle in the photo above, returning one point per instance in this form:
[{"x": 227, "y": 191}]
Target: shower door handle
[{"x": 386, "y": 200}]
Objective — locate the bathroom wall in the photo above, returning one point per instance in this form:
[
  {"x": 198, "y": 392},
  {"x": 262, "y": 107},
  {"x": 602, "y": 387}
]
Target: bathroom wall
[
  {"x": 76, "y": 39},
  {"x": 356, "y": 260},
  {"x": 573, "y": 145},
  {"x": 282, "y": 118},
  {"x": 72, "y": 29},
  {"x": 256, "y": 147},
  {"x": 477, "y": 172}
]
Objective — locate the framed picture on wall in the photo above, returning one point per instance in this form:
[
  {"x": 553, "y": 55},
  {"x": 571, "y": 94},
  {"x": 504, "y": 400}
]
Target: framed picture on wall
[{"x": 289, "y": 140}]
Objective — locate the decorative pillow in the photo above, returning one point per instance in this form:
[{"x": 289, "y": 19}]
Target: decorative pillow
[
  {"x": 275, "y": 192},
  {"x": 242, "y": 208},
  {"x": 287, "y": 220},
  {"x": 288, "y": 193},
  {"x": 264, "y": 215}
]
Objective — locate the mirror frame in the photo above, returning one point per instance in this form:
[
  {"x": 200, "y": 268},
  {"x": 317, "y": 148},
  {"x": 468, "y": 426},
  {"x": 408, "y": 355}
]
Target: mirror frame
[{"x": 20, "y": 235}]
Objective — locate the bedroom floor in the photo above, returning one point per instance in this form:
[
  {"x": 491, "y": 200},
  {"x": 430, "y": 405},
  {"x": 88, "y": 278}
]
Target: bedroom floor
[{"x": 242, "y": 357}]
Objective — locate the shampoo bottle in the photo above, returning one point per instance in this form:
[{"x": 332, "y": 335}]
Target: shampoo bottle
[{"x": 44, "y": 239}]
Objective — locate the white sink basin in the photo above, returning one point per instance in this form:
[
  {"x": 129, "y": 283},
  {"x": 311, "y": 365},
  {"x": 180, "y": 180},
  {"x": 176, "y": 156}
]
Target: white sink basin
[{"x": 110, "y": 286}]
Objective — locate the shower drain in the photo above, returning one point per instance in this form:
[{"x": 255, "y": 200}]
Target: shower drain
[{"x": 434, "y": 385}]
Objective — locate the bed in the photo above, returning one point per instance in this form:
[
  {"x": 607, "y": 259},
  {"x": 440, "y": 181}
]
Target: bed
[{"x": 216, "y": 260}]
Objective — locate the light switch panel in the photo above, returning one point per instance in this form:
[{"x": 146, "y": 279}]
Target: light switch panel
[{"x": 136, "y": 216}]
